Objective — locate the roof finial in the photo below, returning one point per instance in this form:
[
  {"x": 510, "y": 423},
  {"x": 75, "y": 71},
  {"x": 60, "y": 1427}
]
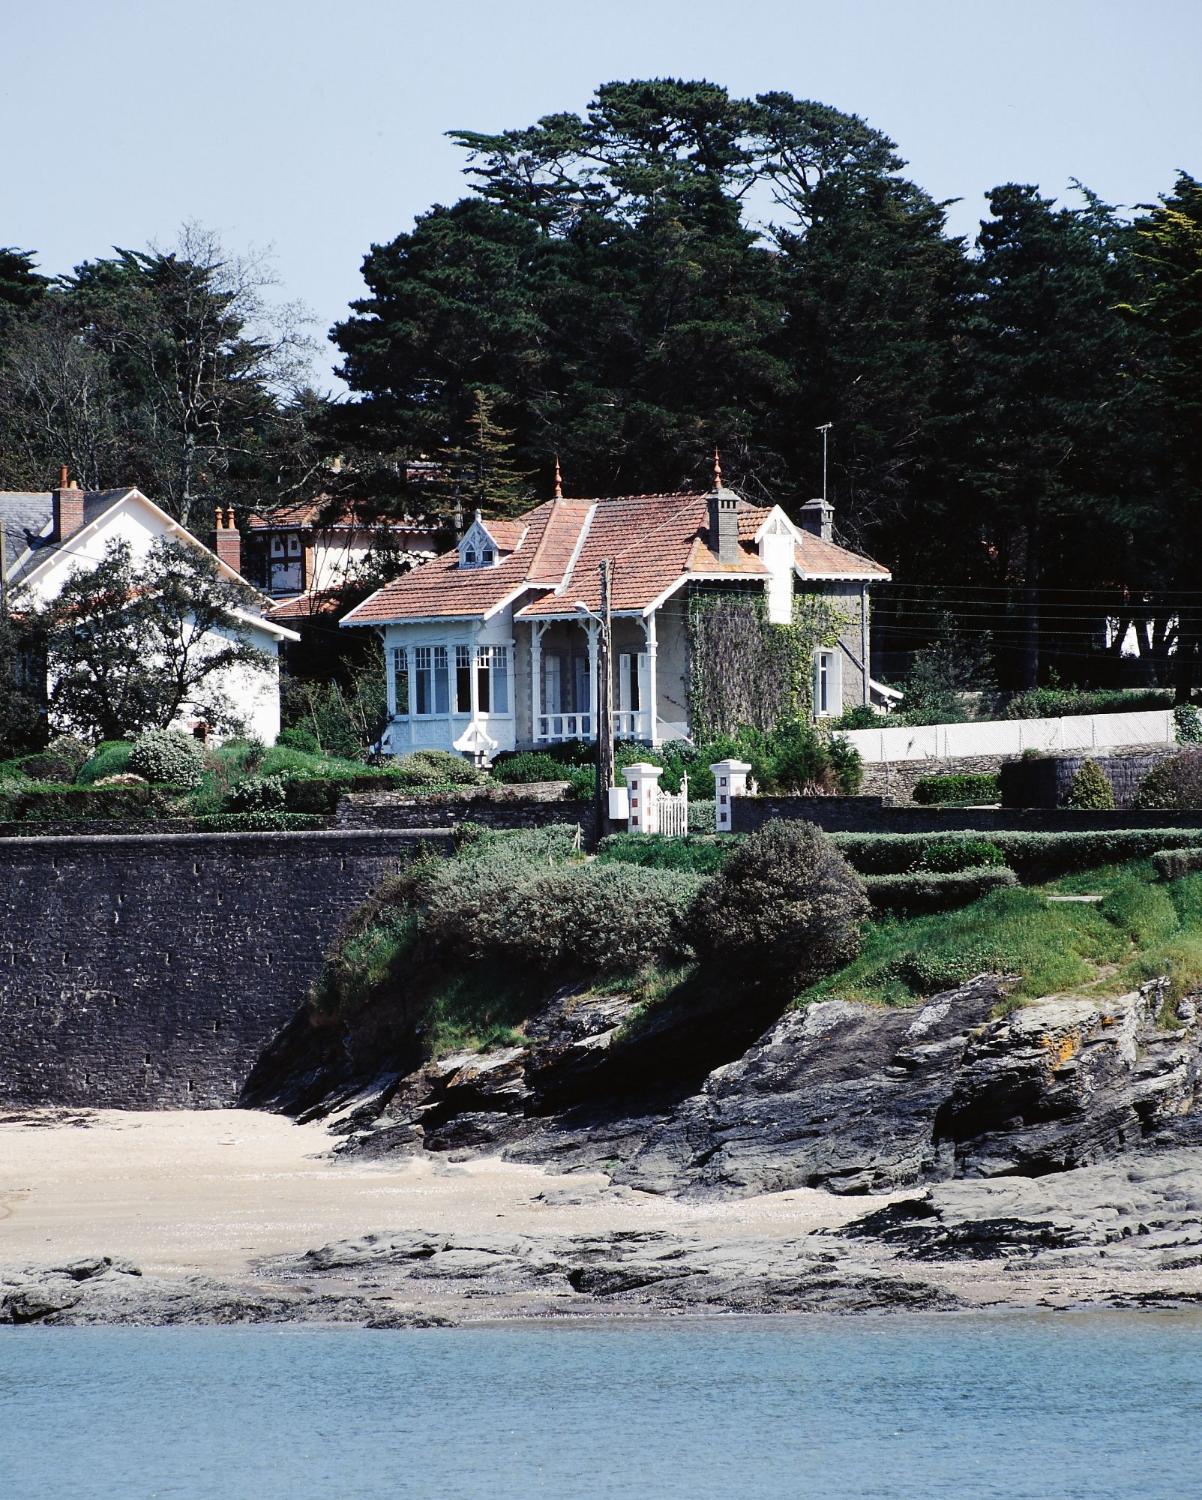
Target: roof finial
[
  {"x": 717, "y": 468},
  {"x": 558, "y": 480}
]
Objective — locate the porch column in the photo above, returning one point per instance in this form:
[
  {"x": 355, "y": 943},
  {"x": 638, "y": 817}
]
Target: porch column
[
  {"x": 649, "y": 630},
  {"x": 396, "y": 655},
  {"x": 473, "y": 647},
  {"x": 536, "y": 679},
  {"x": 592, "y": 678}
]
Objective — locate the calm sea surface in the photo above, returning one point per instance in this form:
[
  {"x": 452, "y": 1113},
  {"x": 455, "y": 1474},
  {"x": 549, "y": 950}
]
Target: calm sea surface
[{"x": 1101, "y": 1406}]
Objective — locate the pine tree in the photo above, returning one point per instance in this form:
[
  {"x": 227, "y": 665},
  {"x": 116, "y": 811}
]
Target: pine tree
[{"x": 481, "y": 473}]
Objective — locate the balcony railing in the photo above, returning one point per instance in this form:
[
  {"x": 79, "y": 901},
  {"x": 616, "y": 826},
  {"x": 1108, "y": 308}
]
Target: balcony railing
[{"x": 573, "y": 726}]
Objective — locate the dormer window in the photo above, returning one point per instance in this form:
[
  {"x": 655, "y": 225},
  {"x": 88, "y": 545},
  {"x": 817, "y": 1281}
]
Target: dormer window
[{"x": 478, "y": 549}]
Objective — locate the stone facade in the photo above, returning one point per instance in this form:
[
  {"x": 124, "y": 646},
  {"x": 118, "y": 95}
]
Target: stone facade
[
  {"x": 1047, "y": 782},
  {"x": 149, "y": 971}
]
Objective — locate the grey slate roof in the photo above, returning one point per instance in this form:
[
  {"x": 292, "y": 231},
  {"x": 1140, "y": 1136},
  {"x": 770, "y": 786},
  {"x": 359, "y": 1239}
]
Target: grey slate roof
[{"x": 24, "y": 515}]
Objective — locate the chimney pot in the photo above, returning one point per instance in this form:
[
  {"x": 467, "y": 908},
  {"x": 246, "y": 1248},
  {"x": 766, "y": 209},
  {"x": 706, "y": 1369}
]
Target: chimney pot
[
  {"x": 63, "y": 477},
  {"x": 228, "y": 546}
]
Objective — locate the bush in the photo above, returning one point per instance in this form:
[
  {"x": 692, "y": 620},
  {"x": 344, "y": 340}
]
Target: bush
[
  {"x": 862, "y": 716},
  {"x": 1175, "y": 783},
  {"x": 1090, "y": 790},
  {"x": 1187, "y": 724},
  {"x": 702, "y": 816},
  {"x": 582, "y": 782},
  {"x": 260, "y": 794},
  {"x": 297, "y": 737},
  {"x": 786, "y": 907},
  {"x": 934, "y": 890},
  {"x": 934, "y": 791},
  {"x": 434, "y": 768},
  {"x": 46, "y": 802},
  {"x": 1172, "y": 864},
  {"x": 110, "y": 758},
  {"x": 948, "y": 856},
  {"x": 168, "y": 758},
  {"x": 527, "y": 766},
  {"x": 60, "y": 761}
]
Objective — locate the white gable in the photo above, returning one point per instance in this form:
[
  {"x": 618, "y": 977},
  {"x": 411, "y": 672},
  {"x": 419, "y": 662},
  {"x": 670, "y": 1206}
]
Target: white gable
[{"x": 478, "y": 549}]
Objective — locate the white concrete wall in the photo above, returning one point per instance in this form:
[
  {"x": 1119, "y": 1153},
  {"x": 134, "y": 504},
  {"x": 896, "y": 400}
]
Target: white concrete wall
[{"x": 1013, "y": 736}]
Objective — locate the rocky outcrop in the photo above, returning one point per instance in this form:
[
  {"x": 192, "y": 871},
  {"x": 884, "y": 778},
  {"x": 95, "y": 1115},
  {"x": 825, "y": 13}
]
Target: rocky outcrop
[{"x": 847, "y": 1097}]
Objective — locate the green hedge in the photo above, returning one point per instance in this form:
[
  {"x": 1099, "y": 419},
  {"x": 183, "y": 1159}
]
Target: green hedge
[
  {"x": 1033, "y": 855},
  {"x": 967, "y": 787},
  {"x": 255, "y": 822},
  {"x": 51, "y": 803},
  {"x": 930, "y": 890},
  {"x": 654, "y": 851},
  {"x": 1172, "y": 864}
]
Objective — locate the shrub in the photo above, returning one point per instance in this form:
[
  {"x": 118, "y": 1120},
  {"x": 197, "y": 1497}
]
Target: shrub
[
  {"x": 527, "y": 766},
  {"x": 46, "y": 802},
  {"x": 582, "y": 782},
  {"x": 434, "y": 768},
  {"x": 60, "y": 761},
  {"x": 862, "y": 716},
  {"x": 950, "y": 855},
  {"x": 1172, "y": 864},
  {"x": 933, "y": 791},
  {"x": 168, "y": 758},
  {"x": 296, "y": 737},
  {"x": 1056, "y": 701},
  {"x": 786, "y": 907},
  {"x": 934, "y": 890},
  {"x": 702, "y": 816},
  {"x": 122, "y": 778},
  {"x": 1187, "y": 724},
  {"x": 1090, "y": 790},
  {"x": 1175, "y": 783},
  {"x": 259, "y": 794}
]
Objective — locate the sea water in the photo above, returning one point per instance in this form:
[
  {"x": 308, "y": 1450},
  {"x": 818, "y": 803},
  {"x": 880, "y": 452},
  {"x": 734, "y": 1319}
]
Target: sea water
[{"x": 1098, "y": 1406}]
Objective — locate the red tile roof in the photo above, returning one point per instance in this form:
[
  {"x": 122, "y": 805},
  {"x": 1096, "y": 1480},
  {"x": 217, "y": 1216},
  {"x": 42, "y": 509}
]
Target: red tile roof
[
  {"x": 325, "y": 515},
  {"x": 313, "y": 605},
  {"x": 653, "y": 541}
]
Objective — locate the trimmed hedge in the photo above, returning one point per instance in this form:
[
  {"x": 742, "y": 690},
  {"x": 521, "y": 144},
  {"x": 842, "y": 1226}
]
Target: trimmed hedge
[
  {"x": 932, "y": 890},
  {"x": 952, "y": 855},
  {"x": 936, "y": 791},
  {"x": 1034, "y": 855},
  {"x": 50, "y": 803},
  {"x": 526, "y": 766},
  {"x": 654, "y": 851},
  {"x": 255, "y": 822},
  {"x": 1172, "y": 864}
]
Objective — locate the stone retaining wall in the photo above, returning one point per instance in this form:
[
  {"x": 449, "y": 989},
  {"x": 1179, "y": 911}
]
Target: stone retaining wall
[
  {"x": 867, "y": 815},
  {"x": 532, "y": 806},
  {"x": 894, "y": 780},
  {"x": 148, "y": 971}
]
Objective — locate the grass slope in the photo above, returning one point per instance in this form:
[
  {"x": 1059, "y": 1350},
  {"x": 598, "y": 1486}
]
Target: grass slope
[{"x": 1142, "y": 928}]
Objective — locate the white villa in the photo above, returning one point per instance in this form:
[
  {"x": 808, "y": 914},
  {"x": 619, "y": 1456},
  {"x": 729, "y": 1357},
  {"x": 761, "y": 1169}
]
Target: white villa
[
  {"x": 46, "y": 535},
  {"x": 493, "y": 645}
]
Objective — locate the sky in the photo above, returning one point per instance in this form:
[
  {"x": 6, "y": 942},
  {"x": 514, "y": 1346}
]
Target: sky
[{"x": 317, "y": 129}]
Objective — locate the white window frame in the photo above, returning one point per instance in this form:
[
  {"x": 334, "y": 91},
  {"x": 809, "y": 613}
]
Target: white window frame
[
  {"x": 828, "y": 683},
  {"x": 493, "y": 670},
  {"x": 428, "y": 674},
  {"x": 462, "y": 701}
]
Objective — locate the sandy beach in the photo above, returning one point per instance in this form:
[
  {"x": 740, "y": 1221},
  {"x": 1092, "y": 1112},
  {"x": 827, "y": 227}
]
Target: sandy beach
[{"x": 213, "y": 1191}]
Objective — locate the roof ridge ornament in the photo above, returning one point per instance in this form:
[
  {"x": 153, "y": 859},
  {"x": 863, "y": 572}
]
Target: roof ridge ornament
[
  {"x": 717, "y": 468},
  {"x": 558, "y": 480}
]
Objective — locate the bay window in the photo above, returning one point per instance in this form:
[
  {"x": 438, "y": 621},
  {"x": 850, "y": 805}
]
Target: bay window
[{"x": 430, "y": 687}]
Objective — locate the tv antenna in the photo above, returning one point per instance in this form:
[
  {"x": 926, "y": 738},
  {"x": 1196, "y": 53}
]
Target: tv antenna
[{"x": 825, "y": 430}]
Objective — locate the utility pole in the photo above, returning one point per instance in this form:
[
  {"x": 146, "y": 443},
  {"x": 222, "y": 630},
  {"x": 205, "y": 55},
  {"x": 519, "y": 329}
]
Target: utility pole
[{"x": 605, "y": 713}]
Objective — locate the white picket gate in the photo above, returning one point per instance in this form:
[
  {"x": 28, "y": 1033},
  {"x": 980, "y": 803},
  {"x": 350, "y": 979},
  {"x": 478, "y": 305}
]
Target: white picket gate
[{"x": 674, "y": 811}]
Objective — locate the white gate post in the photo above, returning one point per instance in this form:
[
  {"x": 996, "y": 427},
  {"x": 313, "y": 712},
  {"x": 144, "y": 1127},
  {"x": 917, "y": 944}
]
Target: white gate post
[
  {"x": 730, "y": 780},
  {"x": 642, "y": 789}
]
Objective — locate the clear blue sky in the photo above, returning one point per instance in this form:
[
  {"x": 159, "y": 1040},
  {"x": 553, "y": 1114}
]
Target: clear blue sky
[{"x": 317, "y": 128}]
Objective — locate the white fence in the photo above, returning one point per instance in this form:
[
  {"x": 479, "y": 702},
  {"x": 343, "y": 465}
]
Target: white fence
[
  {"x": 1013, "y": 736},
  {"x": 673, "y": 811}
]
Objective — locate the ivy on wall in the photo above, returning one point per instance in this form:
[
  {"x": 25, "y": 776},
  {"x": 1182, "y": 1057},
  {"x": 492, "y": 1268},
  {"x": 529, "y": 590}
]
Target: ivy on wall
[{"x": 744, "y": 670}]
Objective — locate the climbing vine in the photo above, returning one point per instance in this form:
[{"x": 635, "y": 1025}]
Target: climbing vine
[{"x": 744, "y": 670}]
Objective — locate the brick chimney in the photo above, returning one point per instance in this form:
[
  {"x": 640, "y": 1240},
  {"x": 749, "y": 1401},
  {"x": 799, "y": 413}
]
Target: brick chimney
[
  {"x": 228, "y": 544},
  {"x": 817, "y": 517},
  {"x": 723, "y": 517},
  {"x": 67, "y": 507}
]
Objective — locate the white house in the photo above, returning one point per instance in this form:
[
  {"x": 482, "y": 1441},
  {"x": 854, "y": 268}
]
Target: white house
[
  {"x": 493, "y": 646},
  {"x": 46, "y": 535}
]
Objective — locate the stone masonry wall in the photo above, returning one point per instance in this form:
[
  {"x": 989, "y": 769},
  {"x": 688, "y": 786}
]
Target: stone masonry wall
[
  {"x": 894, "y": 780},
  {"x": 867, "y": 815},
  {"x": 148, "y": 971}
]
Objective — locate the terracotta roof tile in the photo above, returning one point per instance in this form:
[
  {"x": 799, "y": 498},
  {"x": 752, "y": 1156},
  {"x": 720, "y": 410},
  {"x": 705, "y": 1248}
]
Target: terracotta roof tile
[{"x": 819, "y": 559}]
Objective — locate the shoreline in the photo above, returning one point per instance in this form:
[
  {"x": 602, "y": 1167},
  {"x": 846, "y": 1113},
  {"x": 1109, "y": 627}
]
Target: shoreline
[{"x": 231, "y": 1216}]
